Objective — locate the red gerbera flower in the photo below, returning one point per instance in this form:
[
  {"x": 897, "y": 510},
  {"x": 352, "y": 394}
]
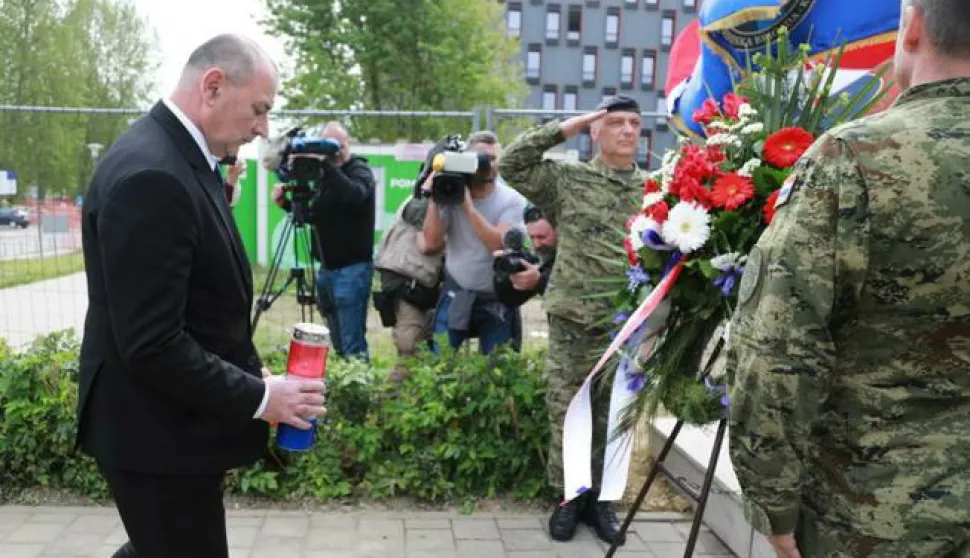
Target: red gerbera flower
[
  {"x": 650, "y": 187},
  {"x": 631, "y": 254},
  {"x": 707, "y": 113},
  {"x": 784, "y": 147},
  {"x": 731, "y": 191},
  {"x": 658, "y": 212},
  {"x": 691, "y": 189},
  {"x": 769, "y": 208}
]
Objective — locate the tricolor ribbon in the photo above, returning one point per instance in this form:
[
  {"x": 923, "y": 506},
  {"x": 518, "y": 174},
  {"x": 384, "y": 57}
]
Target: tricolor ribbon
[{"x": 578, "y": 426}]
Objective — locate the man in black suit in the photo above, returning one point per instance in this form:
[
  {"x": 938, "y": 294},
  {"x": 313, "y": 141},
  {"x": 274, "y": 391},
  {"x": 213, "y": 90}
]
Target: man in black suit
[{"x": 172, "y": 392}]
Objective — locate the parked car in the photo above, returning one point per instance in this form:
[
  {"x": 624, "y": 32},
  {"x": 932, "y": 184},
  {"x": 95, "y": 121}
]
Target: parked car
[{"x": 14, "y": 217}]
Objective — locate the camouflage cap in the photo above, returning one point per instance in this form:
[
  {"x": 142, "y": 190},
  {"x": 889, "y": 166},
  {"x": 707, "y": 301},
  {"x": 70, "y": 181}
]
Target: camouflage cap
[{"x": 619, "y": 103}]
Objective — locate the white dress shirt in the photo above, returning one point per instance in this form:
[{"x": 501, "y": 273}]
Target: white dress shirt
[{"x": 213, "y": 162}]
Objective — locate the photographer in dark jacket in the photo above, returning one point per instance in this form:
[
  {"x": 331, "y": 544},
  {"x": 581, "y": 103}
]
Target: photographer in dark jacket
[
  {"x": 342, "y": 214},
  {"x": 516, "y": 289}
]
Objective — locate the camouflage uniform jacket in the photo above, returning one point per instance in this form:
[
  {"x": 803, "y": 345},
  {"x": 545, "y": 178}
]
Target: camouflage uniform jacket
[
  {"x": 588, "y": 204},
  {"x": 850, "y": 345}
]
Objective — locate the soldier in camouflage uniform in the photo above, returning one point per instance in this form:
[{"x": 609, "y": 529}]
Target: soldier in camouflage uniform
[
  {"x": 850, "y": 346},
  {"x": 586, "y": 203}
]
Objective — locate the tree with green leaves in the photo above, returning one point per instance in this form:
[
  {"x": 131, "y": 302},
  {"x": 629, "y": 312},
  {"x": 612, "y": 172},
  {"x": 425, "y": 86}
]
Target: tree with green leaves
[
  {"x": 422, "y": 55},
  {"x": 68, "y": 53}
]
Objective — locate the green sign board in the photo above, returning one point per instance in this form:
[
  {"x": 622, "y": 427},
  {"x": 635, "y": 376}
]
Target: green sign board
[{"x": 263, "y": 225}]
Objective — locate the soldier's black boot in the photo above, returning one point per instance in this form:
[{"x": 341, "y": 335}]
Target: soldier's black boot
[
  {"x": 562, "y": 524},
  {"x": 601, "y": 517}
]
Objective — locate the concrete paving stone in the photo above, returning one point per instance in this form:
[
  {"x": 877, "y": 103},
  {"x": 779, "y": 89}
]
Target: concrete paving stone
[
  {"x": 333, "y": 521},
  {"x": 276, "y": 553},
  {"x": 117, "y": 537},
  {"x": 292, "y": 526},
  {"x": 11, "y": 519},
  {"x": 634, "y": 554},
  {"x": 658, "y": 532},
  {"x": 242, "y": 537},
  {"x": 282, "y": 543},
  {"x": 35, "y": 533},
  {"x": 288, "y": 513},
  {"x": 531, "y": 554},
  {"x": 429, "y": 539},
  {"x": 523, "y": 522},
  {"x": 475, "y": 529},
  {"x": 55, "y": 518},
  {"x": 11, "y": 550},
  {"x": 245, "y": 513},
  {"x": 380, "y": 529},
  {"x": 683, "y": 527},
  {"x": 633, "y": 542},
  {"x": 427, "y": 523},
  {"x": 330, "y": 554},
  {"x": 667, "y": 550},
  {"x": 385, "y": 547},
  {"x": 233, "y": 552},
  {"x": 432, "y": 554},
  {"x": 663, "y": 517},
  {"x": 577, "y": 549},
  {"x": 332, "y": 539},
  {"x": 243, "y": 521},
  {"x": 106, "y": 551},
  {"x": 480, "y": 549},
  {"x": 74, "y": 544},
  {"x": 525, "y": 539},
  {"x": 94, "y": 524}
]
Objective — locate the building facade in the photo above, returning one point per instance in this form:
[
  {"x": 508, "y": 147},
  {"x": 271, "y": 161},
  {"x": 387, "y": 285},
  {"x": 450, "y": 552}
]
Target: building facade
[{"x": 577, "y": 52}]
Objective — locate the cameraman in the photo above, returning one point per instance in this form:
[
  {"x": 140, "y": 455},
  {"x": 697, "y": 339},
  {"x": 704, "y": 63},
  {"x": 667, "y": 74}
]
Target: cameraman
[
  {"x": 342, "y": 215},
  {"x": 518, "y": 288},
  {"x": 469, "y": 233}
]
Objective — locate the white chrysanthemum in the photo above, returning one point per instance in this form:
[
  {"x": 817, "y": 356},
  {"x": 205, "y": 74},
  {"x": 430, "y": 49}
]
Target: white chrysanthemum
[
  {"x": 639, "y": 226},
  {"x": 753, "y": 128},
  {"x": 719, "y": 126},
  {"x": 728, "y": 261},
  {"x": 748, "y": 168},
  {"x": 747, "y": 112},
  {"x": 652, "y": 198},
  {"x": 668, "y": 168},
  {"x": 687, "y": 227},
  {"x": 724, "y": 139}
]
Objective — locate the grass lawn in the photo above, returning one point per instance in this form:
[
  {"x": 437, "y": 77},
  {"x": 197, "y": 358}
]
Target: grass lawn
[{"x": 30, "y": 270}]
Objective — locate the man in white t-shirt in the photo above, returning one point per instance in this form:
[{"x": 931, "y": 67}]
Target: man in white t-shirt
[{"x": 470, "y": 233}]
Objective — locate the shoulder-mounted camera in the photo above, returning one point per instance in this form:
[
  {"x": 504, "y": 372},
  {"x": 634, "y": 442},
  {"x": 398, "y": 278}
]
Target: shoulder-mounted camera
[
  {"x": 455, "y": 169},
  {"x": 297, "y": 158}
]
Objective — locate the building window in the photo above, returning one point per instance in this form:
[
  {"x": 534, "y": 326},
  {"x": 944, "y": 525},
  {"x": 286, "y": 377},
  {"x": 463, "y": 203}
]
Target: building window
[
  {"x": 667, "y": 25},
  {"x": 533, "y": 62},
  {"x": 549, "y": 98},
  {"x": 574, "y": 23},
  {"x": 513, "y": 20},
  {"x": 626, "y": 68},
  {"x": 589, "y": 65},
  {"x": 661, "y": 111},
  {"x": 592, "y": 3},
  {"x": 585, "y": 147},
  {"x": 690, "y": 5},
  {"x": 644, "y": 147},
  {"x": 612, "y": 26},
  {"x": 569, "y": 98},
  {"x": 608, "y": 93},
  {"x": 553, "y": 20},
  {"x": 648, "y": 69},
  {"x": 651, "y": 4},
  {"x": 631, "y": 3}
]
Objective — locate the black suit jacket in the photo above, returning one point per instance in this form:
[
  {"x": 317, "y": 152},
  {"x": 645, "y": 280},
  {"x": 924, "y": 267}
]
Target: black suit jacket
[{"x": 170, "y": 379}]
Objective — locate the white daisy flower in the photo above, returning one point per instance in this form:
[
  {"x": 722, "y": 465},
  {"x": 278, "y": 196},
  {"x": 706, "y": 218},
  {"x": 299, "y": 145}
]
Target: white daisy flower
[
  {"x": 753, "y": 128},
  {"x": 719, "y": 126},
  {"x": 652, "y": 198},
  {"x": 747, "y": 112},
  {"x": 687, "y": 227},
  {"x": 748, "y": 168},
  {"x": 724, "y": 139},
  {"x": 637, "y": 228}
]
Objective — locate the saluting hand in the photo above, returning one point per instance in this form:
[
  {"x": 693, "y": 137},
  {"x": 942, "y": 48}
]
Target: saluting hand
[{"x": 579, "y": 123}]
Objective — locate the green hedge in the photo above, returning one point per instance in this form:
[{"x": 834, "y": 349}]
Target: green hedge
[{"x": 462, "y": 427}]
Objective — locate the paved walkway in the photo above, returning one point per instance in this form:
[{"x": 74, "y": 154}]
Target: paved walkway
[{"x": 96, "y": 532}]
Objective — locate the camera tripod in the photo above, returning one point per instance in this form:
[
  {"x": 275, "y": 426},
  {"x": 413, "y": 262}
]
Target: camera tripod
[{"x": 301, "y": 231}]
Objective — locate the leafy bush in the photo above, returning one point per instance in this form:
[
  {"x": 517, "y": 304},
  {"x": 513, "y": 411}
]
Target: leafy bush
[{"x": 462, "y": 427}]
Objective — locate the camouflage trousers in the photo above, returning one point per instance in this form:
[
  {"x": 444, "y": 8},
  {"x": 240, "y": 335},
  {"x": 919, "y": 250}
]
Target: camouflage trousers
[
  {"x": 818, "y": 538},
  {"x": 573, "y": 351}
]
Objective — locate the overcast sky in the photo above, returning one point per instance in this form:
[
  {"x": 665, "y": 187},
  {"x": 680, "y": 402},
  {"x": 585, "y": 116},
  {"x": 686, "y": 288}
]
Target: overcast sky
[{"x": 181, "y": 25}]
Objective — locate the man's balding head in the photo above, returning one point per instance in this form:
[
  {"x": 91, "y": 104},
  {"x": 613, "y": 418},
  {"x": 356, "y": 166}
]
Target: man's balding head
[{"x": 227, "y": 88}]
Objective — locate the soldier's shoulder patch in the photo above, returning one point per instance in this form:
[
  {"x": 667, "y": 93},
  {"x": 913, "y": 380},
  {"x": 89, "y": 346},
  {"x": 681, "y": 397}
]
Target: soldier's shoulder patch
[{"x": 787, "y": 188}]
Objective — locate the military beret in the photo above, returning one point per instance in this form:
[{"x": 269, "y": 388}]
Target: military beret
[{"x": 620, "y": 103}]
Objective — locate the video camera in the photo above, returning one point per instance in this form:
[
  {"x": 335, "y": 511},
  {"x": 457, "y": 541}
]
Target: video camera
[
  {"x": 454, "y": 170},
  {"x": 512, "y": 261},
  {"x": 296, "y": 158}
]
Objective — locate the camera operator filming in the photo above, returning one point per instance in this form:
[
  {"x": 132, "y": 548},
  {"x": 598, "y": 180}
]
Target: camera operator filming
[
  {"x": 469, "y": 211},
  {"x": 340, "y": 210}
]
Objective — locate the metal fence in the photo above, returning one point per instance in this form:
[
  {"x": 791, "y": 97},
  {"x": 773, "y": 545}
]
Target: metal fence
[{"x": 53, "y": 151}]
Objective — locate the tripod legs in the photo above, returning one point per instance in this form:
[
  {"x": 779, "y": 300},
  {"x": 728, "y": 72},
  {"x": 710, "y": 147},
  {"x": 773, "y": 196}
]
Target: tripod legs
[
  {"x": 701, "y": 498},
  {"x": 305, "y": 291}
]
